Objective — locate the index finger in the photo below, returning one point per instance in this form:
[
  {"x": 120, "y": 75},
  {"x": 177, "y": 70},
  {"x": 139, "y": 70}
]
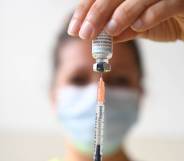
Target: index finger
[{"x": 78, "y": 16}]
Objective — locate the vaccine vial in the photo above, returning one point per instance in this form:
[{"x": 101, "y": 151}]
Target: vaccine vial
[{"x": 102, "y": 52}]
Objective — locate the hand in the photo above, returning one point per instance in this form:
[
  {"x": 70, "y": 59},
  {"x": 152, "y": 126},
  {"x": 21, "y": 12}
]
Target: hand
[{"x": 160, "y": 20}]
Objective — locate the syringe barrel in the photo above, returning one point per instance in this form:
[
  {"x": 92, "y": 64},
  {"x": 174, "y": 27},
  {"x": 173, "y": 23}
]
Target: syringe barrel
[{"x": 99, "y": 126}]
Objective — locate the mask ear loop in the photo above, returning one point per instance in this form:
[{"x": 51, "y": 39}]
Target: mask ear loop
[{"x": 53, "y": 101}]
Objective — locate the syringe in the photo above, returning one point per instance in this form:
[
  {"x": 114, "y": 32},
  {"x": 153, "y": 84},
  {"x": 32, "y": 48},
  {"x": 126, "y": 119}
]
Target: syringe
[
  {"x": 99, "y": 123},
  {"x": 102, "y": 53}
]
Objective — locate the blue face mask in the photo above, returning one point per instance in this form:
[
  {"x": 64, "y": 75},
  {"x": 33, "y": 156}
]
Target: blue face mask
[{"x": 76, "y": 110}]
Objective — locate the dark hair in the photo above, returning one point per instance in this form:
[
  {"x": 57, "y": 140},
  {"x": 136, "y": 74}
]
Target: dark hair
[{"x": 63, "y": 37}]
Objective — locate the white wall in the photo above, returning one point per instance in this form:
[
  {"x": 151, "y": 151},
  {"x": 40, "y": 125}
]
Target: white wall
[
  {"x": 28, "y": 128},
  {"x": 164, "y": 101},
  {"x": 28, "y": 29}
]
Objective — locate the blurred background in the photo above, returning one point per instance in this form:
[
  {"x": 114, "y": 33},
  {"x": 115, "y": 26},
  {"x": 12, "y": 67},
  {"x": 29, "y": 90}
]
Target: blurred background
[{"x": 29, "y": 130}]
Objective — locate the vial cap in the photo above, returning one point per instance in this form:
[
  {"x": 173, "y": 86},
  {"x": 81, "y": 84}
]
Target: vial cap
[{"x": 101, "y": 67}]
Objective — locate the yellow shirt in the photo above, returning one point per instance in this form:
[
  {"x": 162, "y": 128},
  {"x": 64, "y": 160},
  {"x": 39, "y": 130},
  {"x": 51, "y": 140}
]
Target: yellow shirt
[{"x": 55, "y": 159}]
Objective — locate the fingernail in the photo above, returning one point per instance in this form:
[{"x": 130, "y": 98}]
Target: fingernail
[
  {"x": 73, "y": 27},
  {"x": 137, "y": 25},
  {"x": 86, "y": 30},
  {"x": 111, "y": 27}
]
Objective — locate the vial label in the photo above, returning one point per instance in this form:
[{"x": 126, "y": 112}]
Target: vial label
[{"x": 102, "y": 44}]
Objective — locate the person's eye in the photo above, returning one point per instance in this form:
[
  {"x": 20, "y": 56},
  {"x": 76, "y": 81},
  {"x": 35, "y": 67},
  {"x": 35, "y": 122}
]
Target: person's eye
[
  {"x": 119, "y": 81},
  {"x": 79, "y": 80}
]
